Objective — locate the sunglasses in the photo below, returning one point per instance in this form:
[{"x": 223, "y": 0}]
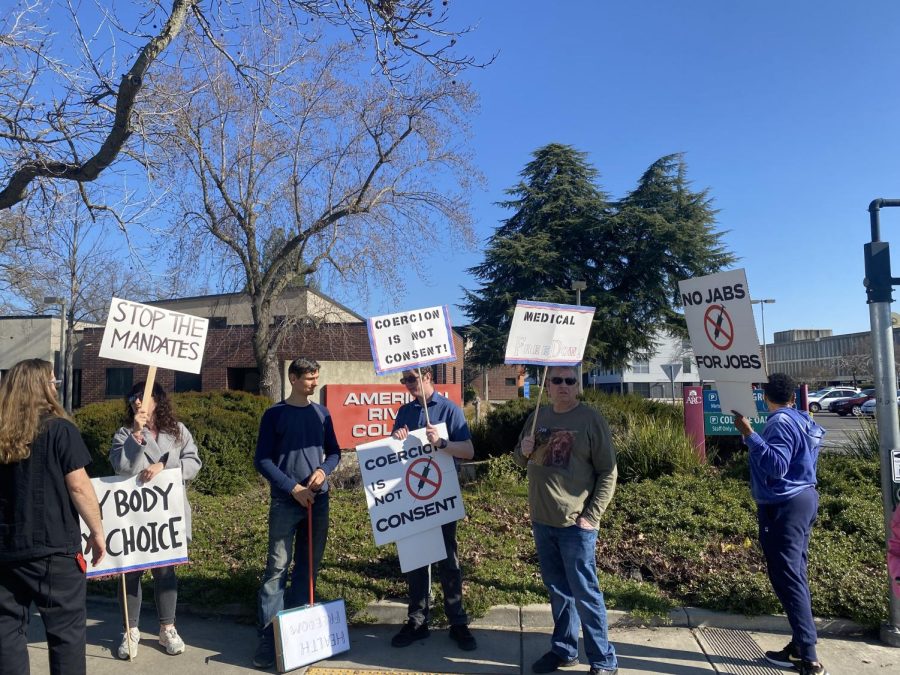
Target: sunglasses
[
  {"x": 55, "y": 383},
  {"x": 559, "y": 380},
  {"x": 135, "y": 397},
  {"x": 412, "y": 379}
]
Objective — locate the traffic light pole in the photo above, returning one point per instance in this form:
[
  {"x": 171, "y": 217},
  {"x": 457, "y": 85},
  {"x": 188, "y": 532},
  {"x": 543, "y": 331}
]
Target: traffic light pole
[{"x": 879, "y": 288}]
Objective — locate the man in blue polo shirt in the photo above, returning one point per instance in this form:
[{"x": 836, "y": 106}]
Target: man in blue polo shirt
[{"x": 458, "y": 444}]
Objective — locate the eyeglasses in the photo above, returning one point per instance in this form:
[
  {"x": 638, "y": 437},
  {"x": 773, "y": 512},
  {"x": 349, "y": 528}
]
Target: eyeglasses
[
  {"x": 55, "y": 383},
  {"x": 559, "y": 380},
  {"x": 412, "y": 379},
  {"x": 135, "y": 397}
]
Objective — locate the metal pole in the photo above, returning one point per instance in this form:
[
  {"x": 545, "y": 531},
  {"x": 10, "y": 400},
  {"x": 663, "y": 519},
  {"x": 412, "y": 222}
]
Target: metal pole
[
  {"x": 67, "y": 404},
  {"x": 879, "y": 288},
  {"x": 762, "y": 314}
]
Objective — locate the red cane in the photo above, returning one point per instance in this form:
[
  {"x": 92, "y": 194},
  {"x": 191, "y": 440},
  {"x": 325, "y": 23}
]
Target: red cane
[{"x": 309, "y": 538}]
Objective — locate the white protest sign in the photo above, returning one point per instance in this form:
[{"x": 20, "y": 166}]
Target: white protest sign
[
  {"x": 410, "y": 485},
  {"x": 308, "y": 634},
  {"x": 410, "y": 340},
  {"x": 153, "y": 336},
  {"x": 421, "y": 549},
  {"x": 719, "y": 318},
  {"x": 545, "y": 334},
  {"x": 143, "y": 522}
]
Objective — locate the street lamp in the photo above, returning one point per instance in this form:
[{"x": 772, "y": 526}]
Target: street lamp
[
  {"x": 579, "y": 286},
  {"x": 762, "y": 313},
  {"x": 63, "y": 361}
]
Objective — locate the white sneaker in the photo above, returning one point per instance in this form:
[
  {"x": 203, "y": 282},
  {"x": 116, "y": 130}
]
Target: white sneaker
[
  {"x": 169, "y": 638},
  {"x": 125, "y": 647}
]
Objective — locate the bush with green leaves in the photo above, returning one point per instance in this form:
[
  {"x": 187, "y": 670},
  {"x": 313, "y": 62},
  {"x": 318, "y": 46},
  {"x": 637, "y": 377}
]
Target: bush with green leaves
[
  {"x": 224, "y": 425},
  {"x": 652, "y": 432},
  {"x": 650, "y": 447}
]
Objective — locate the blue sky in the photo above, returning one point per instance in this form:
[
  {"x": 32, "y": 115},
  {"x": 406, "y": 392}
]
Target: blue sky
[{"x": 787, "y": 112}]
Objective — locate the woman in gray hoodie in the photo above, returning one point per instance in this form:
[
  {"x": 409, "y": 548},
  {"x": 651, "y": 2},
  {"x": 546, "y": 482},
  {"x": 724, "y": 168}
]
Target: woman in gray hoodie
[{"x": 152, "y": 440}]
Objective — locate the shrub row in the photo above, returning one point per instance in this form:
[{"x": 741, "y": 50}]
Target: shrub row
[{"x": 224, "y": 425}]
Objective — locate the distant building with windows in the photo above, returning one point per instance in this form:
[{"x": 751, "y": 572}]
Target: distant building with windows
[
  {"x": 646, "y": 376},
  {"x": 815, "y": 356}
]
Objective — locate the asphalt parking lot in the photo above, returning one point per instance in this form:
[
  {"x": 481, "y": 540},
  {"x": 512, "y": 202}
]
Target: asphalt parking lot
[{"x": 839, "y": 427}]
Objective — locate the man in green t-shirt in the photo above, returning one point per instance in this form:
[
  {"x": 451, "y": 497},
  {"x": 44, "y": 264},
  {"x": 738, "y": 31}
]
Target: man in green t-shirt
[{"x": 571, "y": 466}]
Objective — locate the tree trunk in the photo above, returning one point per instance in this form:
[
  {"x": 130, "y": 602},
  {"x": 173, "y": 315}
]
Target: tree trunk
[
  {"x": 68, "y": 368},
  {"x": 265, "y": 353}
]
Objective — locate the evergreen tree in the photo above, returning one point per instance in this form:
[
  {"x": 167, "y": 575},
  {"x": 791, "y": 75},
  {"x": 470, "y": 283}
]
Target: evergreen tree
[{"x": 630, "y": 253}]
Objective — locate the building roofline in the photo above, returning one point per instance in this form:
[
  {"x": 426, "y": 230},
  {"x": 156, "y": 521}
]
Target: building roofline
[{"x": 238, "y": 294}]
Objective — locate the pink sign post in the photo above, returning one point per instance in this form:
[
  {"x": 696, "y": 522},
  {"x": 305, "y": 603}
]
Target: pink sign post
[{"x": 693, "y": 419}]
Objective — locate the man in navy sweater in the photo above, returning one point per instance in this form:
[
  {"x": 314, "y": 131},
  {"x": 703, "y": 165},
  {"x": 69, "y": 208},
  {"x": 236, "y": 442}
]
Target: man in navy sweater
[
  {"x": 783, "y": 462},
  {"x": 296, "y": 452}
]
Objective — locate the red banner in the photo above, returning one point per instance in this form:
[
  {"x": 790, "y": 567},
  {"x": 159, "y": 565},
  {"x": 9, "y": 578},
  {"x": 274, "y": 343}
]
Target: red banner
[{"x": 366, "y": 412}]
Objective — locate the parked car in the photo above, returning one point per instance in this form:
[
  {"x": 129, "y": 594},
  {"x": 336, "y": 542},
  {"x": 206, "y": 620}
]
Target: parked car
[
  {"x": 868, "y": 408},
  {"x": 822, "y": 398},
  {"x": 852, "y": 405}
]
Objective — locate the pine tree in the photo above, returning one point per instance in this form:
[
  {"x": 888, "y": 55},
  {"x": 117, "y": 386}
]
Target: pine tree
[{"x": 630, "y": 253}]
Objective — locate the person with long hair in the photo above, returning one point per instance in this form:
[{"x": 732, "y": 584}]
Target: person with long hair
[
  {"x": 151, "y": 440},
  {"x": 43, "y": 490}
]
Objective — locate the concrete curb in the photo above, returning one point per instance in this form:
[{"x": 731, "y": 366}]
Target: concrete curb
[{"x": 538, "y": 617}]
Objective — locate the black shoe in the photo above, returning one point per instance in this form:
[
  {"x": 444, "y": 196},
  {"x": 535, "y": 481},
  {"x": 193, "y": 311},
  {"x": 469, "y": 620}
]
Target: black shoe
[
  {"x": 550, "y": 662},
  {"x": 265, "y": 651},
  {"x": 463, "y": 637},
  {"x": 811, "y": 668},
  {"x": 785, "y": 658},
  {"x": 409, "y": 634},
  {"x": 604, "y": 671}
]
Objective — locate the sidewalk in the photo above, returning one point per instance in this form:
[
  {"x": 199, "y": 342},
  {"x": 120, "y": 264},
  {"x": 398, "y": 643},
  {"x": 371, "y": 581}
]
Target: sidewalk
[{"x": 509, "y": 640}]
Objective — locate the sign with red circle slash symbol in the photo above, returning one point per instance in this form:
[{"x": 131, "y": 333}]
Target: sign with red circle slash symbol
[
  {"x": 719, "y": 327},
  {"x": 423, "y": 479}
]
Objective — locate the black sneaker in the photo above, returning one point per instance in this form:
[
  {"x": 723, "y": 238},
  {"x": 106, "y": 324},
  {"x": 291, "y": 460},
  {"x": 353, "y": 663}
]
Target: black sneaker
[
  {"x": 463, "y": 637},
  {"x": 811, "y": 668},
  {"x": 265, "y": 651},
  {"x": 784, "y": 658},
  {"x": 550, "y": 662},
  {"x": 409, "y": 634}
]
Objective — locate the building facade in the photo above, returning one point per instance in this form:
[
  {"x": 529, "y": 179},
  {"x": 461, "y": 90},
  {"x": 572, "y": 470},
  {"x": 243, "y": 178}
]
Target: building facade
[
  {"x": 314, "y": 325},
  {"x": 647, "y": 377}
]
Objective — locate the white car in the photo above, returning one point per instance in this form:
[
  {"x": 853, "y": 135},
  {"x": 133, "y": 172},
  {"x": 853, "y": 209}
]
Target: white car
[{"x": 821, "y": 399}]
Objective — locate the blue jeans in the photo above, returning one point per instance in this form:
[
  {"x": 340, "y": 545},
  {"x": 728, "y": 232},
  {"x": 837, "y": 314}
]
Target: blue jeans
[
  {"x": 784, "y": 531},
  {"x": 288, "y": 538},
  {"x": 569, "y": 571}
]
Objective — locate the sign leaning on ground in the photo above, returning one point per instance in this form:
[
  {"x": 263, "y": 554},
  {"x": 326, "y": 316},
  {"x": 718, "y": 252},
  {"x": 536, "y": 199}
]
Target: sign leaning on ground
[
  {"x": 153, "y": 336},
  {"x": 144, "y": 523},
  {"x": 546, "y": 334},
  {"x": 719, "y": 318},
  {"x": 410, "y": 340},
  {"x": 308, "y": 634}
]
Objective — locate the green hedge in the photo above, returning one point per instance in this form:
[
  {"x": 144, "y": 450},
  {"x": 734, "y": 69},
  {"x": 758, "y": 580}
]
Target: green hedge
[
  {"x": 498, "y": 433},
  {"x": 224, "y": 425}
]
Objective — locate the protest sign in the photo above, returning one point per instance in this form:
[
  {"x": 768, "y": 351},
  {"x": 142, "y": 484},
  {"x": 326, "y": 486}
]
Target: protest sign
[
  {"x": 410, "y": 340},
  {"x": 421, "y": 549},
  {"x": 720, "y": 321},
  {"x": 411, "y": 486},
  {"x": 144, "y": 523},
  {"x": 153, "y": 336},
  {"x": 546, "y": 334},
  {"x": 308, "y": 634}
]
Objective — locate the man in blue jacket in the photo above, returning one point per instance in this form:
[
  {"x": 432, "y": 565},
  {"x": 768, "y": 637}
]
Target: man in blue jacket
[
  {"x": 296, "y": 452},
  {"x": 783, "y": 462}
]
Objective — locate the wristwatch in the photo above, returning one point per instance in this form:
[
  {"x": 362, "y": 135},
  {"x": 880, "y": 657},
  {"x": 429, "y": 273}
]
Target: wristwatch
[{"x": 442, "y": 444}]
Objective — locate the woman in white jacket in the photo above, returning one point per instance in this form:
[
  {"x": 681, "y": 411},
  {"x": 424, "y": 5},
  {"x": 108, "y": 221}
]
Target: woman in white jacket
[{"x": 152, "y": 440}]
